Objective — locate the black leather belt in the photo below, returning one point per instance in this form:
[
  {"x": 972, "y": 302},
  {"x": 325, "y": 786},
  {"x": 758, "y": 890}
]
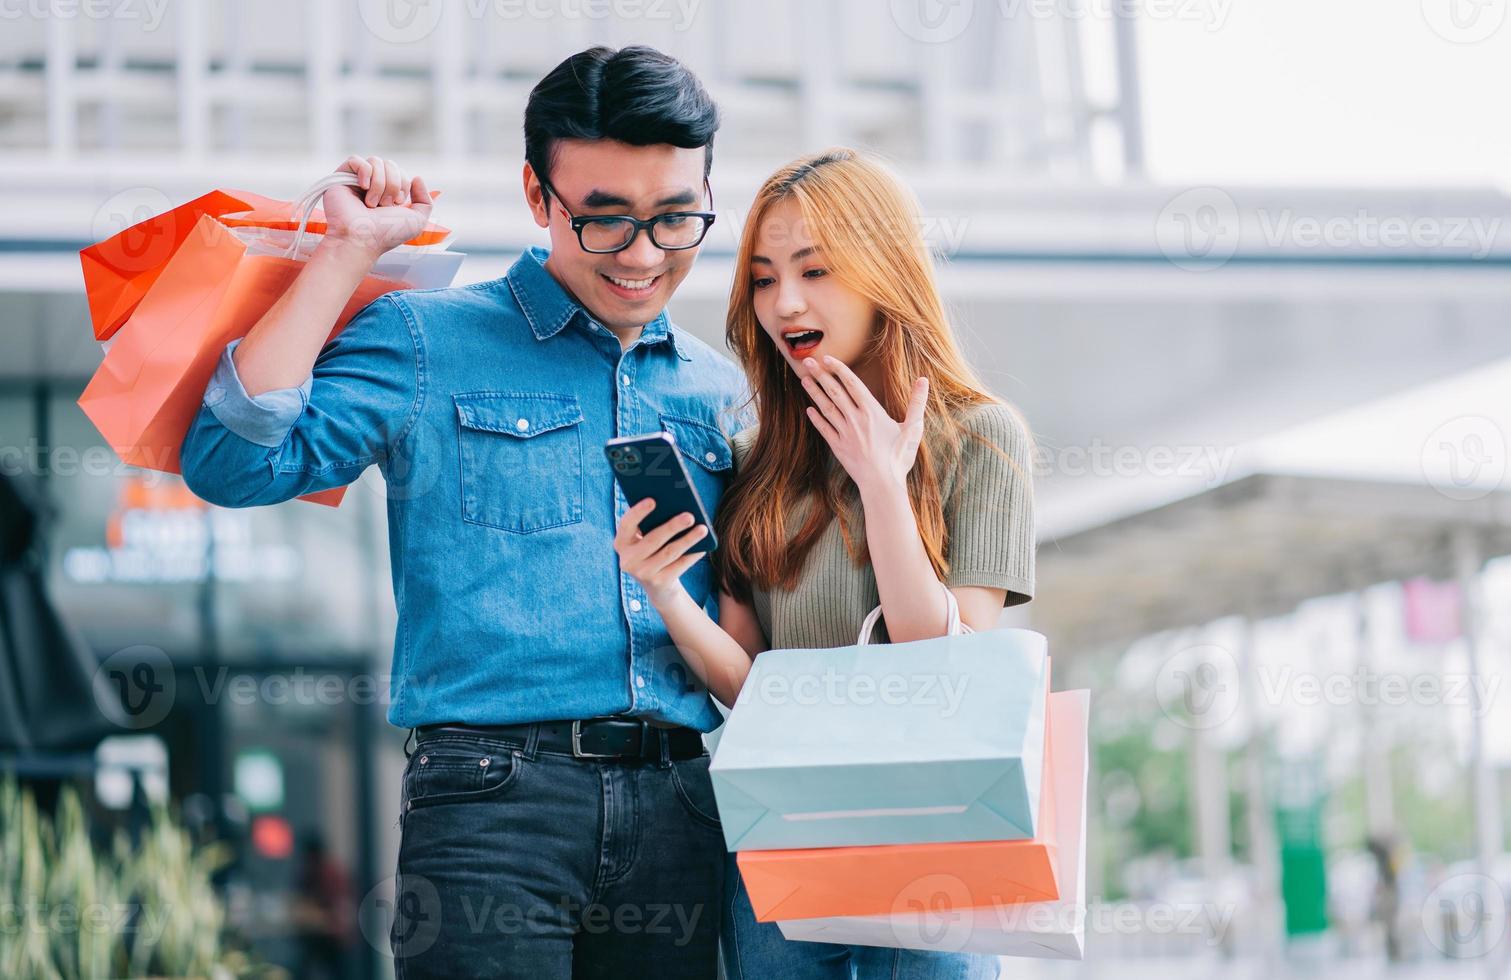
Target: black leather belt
[{"x": 594, "y": 738}]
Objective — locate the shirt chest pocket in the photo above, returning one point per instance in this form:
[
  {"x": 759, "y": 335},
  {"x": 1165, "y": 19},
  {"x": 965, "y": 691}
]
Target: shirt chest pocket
[
  {"x": 706, "y": 447},
  {"x": 520, "y": 455}
]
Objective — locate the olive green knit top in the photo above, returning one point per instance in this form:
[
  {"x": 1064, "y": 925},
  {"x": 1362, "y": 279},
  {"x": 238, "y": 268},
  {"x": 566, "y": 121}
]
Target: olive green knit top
[{"x": 988, "y": 511}]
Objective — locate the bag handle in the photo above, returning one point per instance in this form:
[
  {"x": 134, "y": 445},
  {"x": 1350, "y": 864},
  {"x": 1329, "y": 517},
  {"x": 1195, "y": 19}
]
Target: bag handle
[
  {"x": 305, "y": 205},
  {"x": 955, "y": 626}
]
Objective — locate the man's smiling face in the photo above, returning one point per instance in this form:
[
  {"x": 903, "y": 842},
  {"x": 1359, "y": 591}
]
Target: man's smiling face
[{"x": 622, "y": 290}]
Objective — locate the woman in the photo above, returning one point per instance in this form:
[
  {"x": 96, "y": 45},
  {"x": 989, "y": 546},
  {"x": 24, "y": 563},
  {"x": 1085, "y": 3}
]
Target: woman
[{"x": 880, "y": 468}]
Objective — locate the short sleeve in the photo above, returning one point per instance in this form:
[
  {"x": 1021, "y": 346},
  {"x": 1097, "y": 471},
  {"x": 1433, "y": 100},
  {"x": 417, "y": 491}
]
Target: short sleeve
[{"x": 990, "y": 512}]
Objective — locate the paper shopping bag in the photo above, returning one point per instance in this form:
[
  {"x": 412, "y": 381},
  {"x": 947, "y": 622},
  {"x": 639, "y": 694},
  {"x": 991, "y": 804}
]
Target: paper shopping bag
[
  {"x": 806, "y": 883},
  {"x": 943, "y": 918},
  {"x": 120, "y": 270},
  {"x": 150, "y": 384},
  {"x": 905, "y": 743}
]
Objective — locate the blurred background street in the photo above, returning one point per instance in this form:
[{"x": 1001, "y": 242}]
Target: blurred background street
[{"x": 1242, "y": 264}]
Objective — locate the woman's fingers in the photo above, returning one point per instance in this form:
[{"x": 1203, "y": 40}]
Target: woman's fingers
[
  {"x": 629, "y": 525},
  {"x": 832, "y": 387},
  {"x": 917, "y": 403},
  {"x": 852, "y": 385},
  {"x": 679, "y": 568},
  {"x": 823, "y": 426},
  {"x": 675, "y": 551},
  {"x": 650, "y": 566},
  {"x": 654, "y": 540},
  {"x": 823, "y": 402}
]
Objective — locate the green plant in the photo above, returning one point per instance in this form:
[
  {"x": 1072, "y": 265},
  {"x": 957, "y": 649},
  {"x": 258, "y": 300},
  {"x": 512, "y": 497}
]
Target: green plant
[{"x": 69, "y": 909}]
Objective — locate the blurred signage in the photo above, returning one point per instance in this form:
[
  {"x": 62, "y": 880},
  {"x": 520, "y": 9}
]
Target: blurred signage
[
  {"x": 1431, "y": 610},
  {"x": 159, "y": 532}
]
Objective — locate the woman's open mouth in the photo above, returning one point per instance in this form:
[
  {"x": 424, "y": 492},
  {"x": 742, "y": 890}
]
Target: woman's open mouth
[
  {"x": 801, "y": 340},
  {"x": 631, "y": 288}
]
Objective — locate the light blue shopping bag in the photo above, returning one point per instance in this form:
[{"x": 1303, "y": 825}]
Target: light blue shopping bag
[{"x": 928, "y": 741}]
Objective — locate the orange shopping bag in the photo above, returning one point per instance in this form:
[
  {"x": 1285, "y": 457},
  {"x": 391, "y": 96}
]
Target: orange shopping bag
[
  {"x": 119, "y": 270},
  {"x": 209, "y": 292},
  {"x": 888, "y": 879}
]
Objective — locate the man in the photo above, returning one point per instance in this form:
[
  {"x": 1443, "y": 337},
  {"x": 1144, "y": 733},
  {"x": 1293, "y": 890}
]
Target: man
[{"x": 557, "y": 815}]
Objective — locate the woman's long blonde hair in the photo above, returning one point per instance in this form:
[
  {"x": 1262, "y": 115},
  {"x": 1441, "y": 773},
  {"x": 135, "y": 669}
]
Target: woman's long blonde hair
[{"x": 868, "y": 224}]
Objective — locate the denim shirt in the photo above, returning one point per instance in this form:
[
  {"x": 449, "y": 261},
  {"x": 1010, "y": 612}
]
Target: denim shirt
[{"x": 486, "y": 407}]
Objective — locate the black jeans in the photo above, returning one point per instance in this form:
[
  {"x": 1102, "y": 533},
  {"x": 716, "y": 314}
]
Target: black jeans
[{"x": 517, "y": 862}]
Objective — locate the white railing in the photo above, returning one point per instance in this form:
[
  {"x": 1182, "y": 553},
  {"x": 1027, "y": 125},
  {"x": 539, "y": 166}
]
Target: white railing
[{"x": 1001, "y": 84}]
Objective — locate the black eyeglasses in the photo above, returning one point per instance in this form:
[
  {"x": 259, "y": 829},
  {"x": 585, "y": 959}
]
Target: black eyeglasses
[{"x": 602, "y": 234}]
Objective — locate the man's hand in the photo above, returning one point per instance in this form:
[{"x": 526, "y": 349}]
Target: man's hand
[
  {"x": 361, "y": 223},
  {"x": 385, "y": 209}
]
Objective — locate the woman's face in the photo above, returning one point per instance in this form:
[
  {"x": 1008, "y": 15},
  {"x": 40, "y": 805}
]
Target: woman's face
[{"x": 804, "y": 309}]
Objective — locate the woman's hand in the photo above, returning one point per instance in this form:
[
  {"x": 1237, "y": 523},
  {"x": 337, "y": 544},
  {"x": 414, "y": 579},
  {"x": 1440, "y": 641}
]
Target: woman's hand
[
  {"x": 385, "y": 209},
  {"x": 874, "y": 448},
  {"x": 655, "y": 560}
]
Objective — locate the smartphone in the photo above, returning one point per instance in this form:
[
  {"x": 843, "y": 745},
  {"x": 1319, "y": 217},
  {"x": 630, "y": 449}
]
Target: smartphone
[{"x": 651, "y": 466}]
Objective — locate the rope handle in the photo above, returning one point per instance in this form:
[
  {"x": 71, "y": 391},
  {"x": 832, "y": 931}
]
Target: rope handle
[
  {"x": 305, "y": 206},
  {"x": 955, "y": 626}
]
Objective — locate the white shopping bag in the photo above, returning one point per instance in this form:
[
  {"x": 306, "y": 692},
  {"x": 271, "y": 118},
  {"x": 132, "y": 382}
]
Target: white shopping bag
[{"x": 1045, "y": 930}]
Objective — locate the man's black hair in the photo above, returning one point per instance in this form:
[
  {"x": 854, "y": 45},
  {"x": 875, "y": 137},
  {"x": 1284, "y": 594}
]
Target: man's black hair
[{"x": 635, "y": 95}]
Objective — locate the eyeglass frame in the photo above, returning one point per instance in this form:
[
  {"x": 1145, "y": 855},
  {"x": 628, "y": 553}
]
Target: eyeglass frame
[{"x": 647, "y": 225}]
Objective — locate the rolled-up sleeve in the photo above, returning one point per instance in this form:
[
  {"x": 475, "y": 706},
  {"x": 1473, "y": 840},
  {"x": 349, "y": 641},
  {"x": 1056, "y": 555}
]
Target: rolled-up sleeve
[
  {"x": 263, "y": 419},
  {"x": 361, "y": 398}
]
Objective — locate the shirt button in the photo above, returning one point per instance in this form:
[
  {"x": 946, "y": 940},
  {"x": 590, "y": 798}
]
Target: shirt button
[
  {"x": 522, "y": 424},
  {"x": 634, "y": 605},
  {"x": 624, "y": 378},
  {"x": 710, "y": 457},
  {"x": 639, "y": 681}
]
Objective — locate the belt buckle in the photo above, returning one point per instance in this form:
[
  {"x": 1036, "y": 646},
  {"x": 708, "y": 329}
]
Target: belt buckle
[{"x": 578, "y": 753}]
